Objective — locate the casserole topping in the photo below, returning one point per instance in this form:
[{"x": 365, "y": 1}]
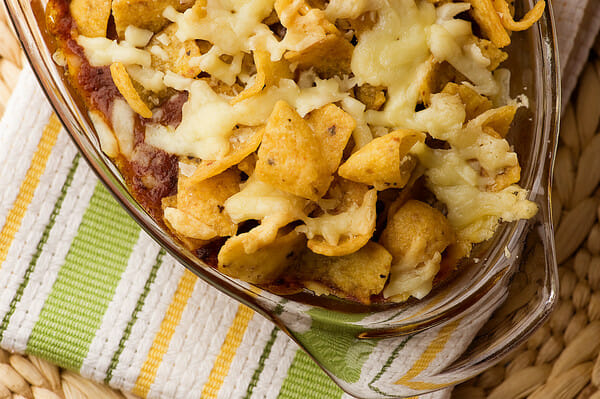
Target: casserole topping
[{"x": 354, "y": 148}]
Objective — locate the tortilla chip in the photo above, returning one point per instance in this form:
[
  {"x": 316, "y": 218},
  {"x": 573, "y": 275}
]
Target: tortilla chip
[
  {"x": 475, "y": 103},
  {"x": 91, "y": 16},
  {"x": 416, "y": 231},
  {"x": 508, "y": 177},
  {"x": 204, "y": 201},
  {"x": 169, "y": 202},
  {"x": 271, "y": 19},
  {"x": 199, "y": 8},
  {"x": 329, "y": 56},
  {"x": 333, "y": 128},
  {"x": 355, "y": 276},
  {"x": 343, "y": 195},
  {"x": 243, "y": 140},
  {"x": 291, "y": 157},
  {"x": 434, "y": 77},
  {"x": 268, "y": 73},
  {"x": 487, "y": 18},
  {"x": 187, "y": 225},
  {"x": 384, "y": 162},
  {"x": 176, "y": 55},
  {"x": 498, "y": 120},
  {"x": 265, "y": 264},
  {"x": 532, "y": 16},
  {"x": 248, "y": 164},
  {"x": 264, "y": 234},
  {"x": 372, "y": 96},
  {"x": 305, "y": 25},
  {"x": 492, "y": 53},
  {"x": 314, "y": 42},
  {"x": 362, "y": 24},
  {"x": 143, "y": 13},
  {"x": 123, "y": 82},
  {"x": 190, "y": 243},
  {"x": 416, "y": 235},
  {"x": 223, "y": 88}
]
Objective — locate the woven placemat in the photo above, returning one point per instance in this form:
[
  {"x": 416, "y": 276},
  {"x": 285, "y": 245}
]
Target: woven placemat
[{"x": 561, "y": 360}]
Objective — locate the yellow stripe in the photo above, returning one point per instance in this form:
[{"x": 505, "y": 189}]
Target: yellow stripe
[
  {"x": 164, "y": 334},
  {"x": 28, "y": 185},
  {"x": 223, "y": 362},
  {"x": 434, "y": 348}
]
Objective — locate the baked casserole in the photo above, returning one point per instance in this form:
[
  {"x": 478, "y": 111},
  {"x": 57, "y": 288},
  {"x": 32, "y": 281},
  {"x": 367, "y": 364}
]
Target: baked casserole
[{"x": 352, "y": 148}]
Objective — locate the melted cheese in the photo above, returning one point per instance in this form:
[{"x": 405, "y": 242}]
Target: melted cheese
[
  {"x": 393, "y": 54},
  {"x": 108, "y": 142},
  {"x": 101, "y": 51},
  {"x": 406, "y": 280},
  {"x": 451, "y": 41},
  {"x": 350, "y": 9},
  {"x": 122, "y": 119},
  {"x": 473, "y": 213},
  {"x": 212, "y": 64},
  {"x": 389, "y": 53},
  {"x": 229, "y": 25},
  {"x": 444, "y": 121},
  {"x": 361, "y": 134},
  {"x": 208, "y": 118},
  {"x": 258, "y": 200},
  {"x": 356, "y": 221},
  {"x": 159, "y": 52},
  {"x": 137, "y": 37},
  {"x": 395, "y": 51},
  {"x": 205, "y": 126},
  {"x": 149, "y": 78}
]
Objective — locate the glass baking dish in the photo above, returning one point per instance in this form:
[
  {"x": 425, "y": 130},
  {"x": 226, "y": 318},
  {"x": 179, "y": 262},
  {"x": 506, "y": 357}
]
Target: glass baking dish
[{"x": 518, "y": 262}]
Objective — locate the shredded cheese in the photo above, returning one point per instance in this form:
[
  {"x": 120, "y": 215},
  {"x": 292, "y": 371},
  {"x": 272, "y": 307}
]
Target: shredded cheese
[
  {"x": 473, "y": 213},
  {"x": 229, "y": 25},
  {"x": 355, "y": 221},
  {"x": 208, "y": 118},
  {"x": 137, "y": 37},
  {"x": 122, "y": 119},
  {"x": 350, "y": 9},
  {"x": 258, "y": 200},
  {"x": 101, "y": 51},
  {"x": 149, "y": 78}
]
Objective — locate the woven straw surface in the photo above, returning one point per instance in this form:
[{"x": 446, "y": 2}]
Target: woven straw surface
[{"x": 561, "y": 360}]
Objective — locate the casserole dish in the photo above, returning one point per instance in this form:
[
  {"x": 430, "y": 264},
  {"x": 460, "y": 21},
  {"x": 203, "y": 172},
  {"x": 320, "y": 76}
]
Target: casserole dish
[{"x": 482, "y": 284}]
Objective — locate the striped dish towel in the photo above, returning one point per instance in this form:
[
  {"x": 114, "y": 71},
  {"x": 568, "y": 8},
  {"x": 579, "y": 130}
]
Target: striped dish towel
[{"x": 82, "y": 286}]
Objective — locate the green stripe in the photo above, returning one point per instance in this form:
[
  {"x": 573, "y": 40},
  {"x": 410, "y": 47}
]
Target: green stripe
[
  {"x": 386, "y": 366},
  {"x": 305, "y": 380},
  {"x": 138, "y": 308},
  {"x": 40, "y": 246},
  {"x": 85, "y": 284},
  {"x": 261, "y": 363}
]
